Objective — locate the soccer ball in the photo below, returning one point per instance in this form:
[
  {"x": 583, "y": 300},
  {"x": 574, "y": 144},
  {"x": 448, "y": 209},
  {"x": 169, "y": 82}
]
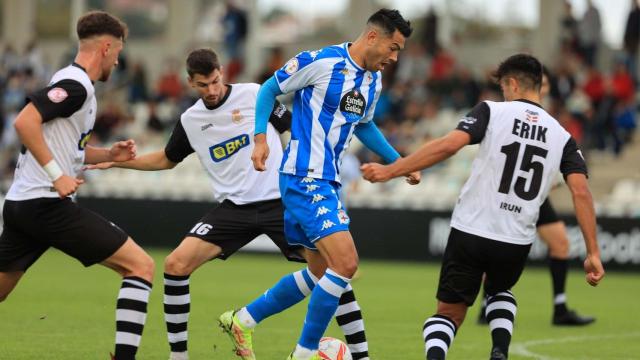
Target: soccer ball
[{"x": 333, "y": 349}]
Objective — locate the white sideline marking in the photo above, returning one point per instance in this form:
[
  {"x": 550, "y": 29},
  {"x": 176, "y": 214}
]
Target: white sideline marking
[{"x": 521, "y": 348}]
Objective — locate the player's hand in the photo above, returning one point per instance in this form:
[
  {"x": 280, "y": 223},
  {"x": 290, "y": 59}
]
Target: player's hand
[
  {"x": 260, "y": 152},
  {"x": 99, "y": 166},
  {"x": 375, "y": 172},
  {"x": 123, "y": 151},
  {"x": 66, "y": 185},
  {"x": 413, "y": 178},
  {"x": 593, "y": 268}
]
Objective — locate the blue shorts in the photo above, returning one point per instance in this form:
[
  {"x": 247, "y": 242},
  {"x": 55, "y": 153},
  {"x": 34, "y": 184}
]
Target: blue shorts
[{"x": 312, "y": 209}]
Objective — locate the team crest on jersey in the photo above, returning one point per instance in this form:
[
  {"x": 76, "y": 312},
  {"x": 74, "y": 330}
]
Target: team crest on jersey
[
  {"x": 84, "y": 139},
  {"x": 291, "y": 66},
  {"x": 236, "y": 116},
  {"x": 57, "y": 95},
  {"x": 227, "y": 148},
  {"x": 343, "y": 217},
  {"x": 352, "y": 105}
]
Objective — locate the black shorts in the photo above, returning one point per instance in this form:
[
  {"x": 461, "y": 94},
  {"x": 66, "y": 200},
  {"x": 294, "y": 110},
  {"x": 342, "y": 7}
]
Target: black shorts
[
  {"x": 232, "y": 226},
  {"x": 32, "y": 226},
  {"x": 468, "y": 256},
  {"x": 547, "y": 214}
]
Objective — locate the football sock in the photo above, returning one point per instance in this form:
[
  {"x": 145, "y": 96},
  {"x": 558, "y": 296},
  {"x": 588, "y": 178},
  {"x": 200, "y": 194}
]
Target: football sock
[
  {"x": 438, "y": 333},
  {"x": 177, "y": 304},
  {"x": 349, "y": 317},
  {"x": 348, "y": 314},
  {"x": 131, "y": 314},
  {"x": 501, "y": 313},
  {"x": 559, "y": 268},
  {"x": 322, "y": 307},
  {"x": 290, "y": 290}
]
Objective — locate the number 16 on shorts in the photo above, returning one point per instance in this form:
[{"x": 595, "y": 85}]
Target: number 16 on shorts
[{"x": 201, "y": 229}]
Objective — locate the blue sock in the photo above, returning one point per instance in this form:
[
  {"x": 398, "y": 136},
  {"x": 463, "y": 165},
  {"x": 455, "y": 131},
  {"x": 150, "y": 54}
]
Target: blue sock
[
  {"x": 322, "y": 308},
  {"x": 290, "y": 290}
]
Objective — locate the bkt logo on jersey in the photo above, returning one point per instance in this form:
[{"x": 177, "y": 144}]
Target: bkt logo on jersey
[
  {"x": 229, "y": 147},
  {"x": 84, "y": 139}
]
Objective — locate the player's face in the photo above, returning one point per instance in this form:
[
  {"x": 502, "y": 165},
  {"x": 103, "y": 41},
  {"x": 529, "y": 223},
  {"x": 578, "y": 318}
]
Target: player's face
[
  {"x": 210, "y": 87},
  {"x": 383, "y": 49},
  {"x": 112, "y": 48}
]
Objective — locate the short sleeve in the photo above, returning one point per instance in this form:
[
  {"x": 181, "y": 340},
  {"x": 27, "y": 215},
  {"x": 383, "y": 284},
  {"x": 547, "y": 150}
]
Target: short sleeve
[
  {"x": 280, "y": 117},
  {"x": 178, "y": 146},
  {"x": 59, "y": 100},
  {"x": 475, "y": 122},
  {"x": 299, "y": 72},
  {"x": 572, "y": 160}
]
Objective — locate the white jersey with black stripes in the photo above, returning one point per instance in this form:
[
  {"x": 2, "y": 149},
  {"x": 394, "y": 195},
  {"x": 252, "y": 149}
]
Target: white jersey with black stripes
[
  {"x": 522, "y": 149},
  {"x": 65, "y": 135},
  {"x": 222, "y": 137}
]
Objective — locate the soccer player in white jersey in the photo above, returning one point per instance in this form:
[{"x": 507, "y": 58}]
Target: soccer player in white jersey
[
  {"x": 522, "y": 149},
  {"x": 336, "y": 89},
  {"x": 552, "y": 231},
  {"x": 39, "y": 213},
  {"x": 217, "y": 128}
]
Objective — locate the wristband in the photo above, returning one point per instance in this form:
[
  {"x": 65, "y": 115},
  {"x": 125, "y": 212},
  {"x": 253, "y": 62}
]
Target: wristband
[{"x": 53, "y": 170}]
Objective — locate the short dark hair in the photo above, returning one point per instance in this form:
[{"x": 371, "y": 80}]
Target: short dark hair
[
  {"x": 391, "y": 20},
  {"x": 202, "y": 61},
  {"x": 526, "y": 68},
  {"x": 97, "y": 23}
]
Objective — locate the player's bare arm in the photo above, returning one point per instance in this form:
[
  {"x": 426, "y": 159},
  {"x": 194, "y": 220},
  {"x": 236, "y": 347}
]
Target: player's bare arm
[
  {"x": 29, "y": 128},
  {"x": 585, "y": 214},
  {"x": 120, "y": 151},
  {"x": 428, "y": 155},
  {"x": 260, "y": 152},
  {"x": 149, "y": 162}
]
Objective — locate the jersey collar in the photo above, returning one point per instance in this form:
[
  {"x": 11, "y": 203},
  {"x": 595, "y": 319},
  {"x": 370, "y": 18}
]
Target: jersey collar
[
  {"x": 346, "y": 49},
  {"x": 222, "y": 101},
  {"x": 79, "y": 66},
  {"x": 530, "y": 102}
]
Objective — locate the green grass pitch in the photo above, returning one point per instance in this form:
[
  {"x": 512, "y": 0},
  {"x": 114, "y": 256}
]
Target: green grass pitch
[{"x": 62, "y": 311}]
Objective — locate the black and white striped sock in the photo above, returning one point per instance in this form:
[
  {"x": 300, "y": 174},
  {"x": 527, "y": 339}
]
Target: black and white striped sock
[
  {"x": 349, "y": 317},
  {"x": 131, "y": 314},
  {"x": 501, "y": 312},
  {"x": 177, "y": 304},
  {"x": 438, "y": 333}
]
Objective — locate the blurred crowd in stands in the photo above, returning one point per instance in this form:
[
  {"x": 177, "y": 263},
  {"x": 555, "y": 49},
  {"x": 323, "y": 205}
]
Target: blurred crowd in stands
[{"x": 596, "y": 105}]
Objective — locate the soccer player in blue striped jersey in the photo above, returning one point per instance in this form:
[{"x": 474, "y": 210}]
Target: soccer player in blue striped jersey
[{"x": 336, "y": 90}]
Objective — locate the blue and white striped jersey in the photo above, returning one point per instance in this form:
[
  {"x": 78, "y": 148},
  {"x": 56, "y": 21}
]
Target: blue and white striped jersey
[{"x": 332, "y": 95}]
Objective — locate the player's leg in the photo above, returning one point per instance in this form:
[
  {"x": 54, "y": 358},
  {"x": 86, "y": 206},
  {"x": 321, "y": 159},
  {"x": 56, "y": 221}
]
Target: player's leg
[
  {"x": 136, "y": 268},
  {"x": 348, "y": 316},
  {"x": 8, "y": 281},
  {"x": 92, "y": 239},
  {"x": 178, "y": 266},
  {"x": 20, "y": 243},
  {"x": 458, "y": 286},
  {"x": 506, "y": 263},
  {"x": 338, "y": 250},
  {"x": 553, "y": 232}
]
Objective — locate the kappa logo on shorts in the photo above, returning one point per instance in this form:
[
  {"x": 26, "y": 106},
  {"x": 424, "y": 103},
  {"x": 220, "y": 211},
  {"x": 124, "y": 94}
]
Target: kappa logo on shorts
[
  {"x": 311, "y": 188},
  {"x": 322, "y": 211},
  {"x": 226, "y": 149},
  {"x": 317, "y": 198},
  {"x": 327, "y": 224},
  {"x": 307, "y": 180}
]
